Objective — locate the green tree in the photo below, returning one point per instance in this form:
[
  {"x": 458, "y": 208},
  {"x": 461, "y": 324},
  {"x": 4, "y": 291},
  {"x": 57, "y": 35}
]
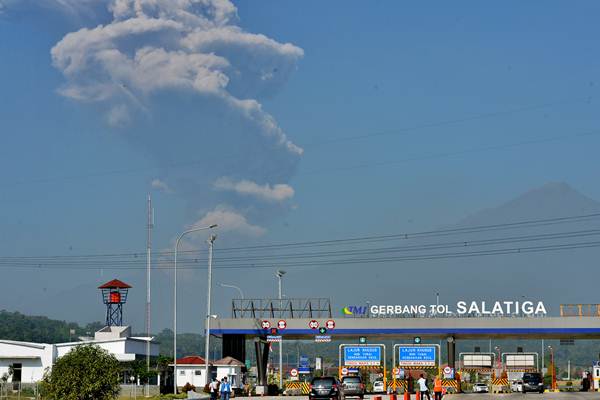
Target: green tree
[{"x": 85, "y": 373}]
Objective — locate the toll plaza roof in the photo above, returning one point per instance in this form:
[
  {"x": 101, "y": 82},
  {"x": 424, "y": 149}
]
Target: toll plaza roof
[{"x": 440, "y": 327}]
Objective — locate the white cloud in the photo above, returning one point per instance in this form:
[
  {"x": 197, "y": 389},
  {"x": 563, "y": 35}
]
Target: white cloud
[
  {"x": 275, "y": 193},
  {"x": 155, "y": 46},
  {"x": 230, "y": 221},
  {"x": 161, "y": 185},
  {"x": 189, "y": 83}
]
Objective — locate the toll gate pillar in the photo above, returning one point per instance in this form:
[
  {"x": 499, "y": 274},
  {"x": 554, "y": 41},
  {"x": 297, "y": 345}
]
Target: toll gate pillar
[
  {"x": 451, "y": 351},
  {"x": 234, "y": 346},
  {"x": 262, "y": 360}
]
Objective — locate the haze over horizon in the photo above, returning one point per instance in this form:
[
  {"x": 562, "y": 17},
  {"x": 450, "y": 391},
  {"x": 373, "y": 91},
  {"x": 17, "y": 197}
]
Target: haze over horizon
[{"x": 394, "y": 119}]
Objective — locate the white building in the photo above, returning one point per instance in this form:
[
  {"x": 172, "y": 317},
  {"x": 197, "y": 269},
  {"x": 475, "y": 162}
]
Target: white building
[
  {"x": 24, "y": 361},
  {"x": 29, "y": 361},
  {"x": 192, "y": 370},
  {"x": 117, "y": 340}
]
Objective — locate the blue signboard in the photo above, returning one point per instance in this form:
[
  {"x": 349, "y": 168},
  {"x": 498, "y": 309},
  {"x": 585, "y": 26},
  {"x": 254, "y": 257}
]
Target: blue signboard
[
  {"x": 416, "y": 356},
  {"x": 362, "y": 355},
  {"x": 304, "y": 362}
]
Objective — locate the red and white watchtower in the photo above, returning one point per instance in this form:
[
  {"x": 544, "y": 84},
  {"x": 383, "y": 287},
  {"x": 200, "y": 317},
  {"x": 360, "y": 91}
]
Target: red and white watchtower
[{"x": 114, "y": 295}]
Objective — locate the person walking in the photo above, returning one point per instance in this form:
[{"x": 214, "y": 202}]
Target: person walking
[
  {"x": 213, "y": 388},
  {"x": 423, "y": 387},
  {"x": 225, "y": 389},
  {"x": 437, "y": 388}
]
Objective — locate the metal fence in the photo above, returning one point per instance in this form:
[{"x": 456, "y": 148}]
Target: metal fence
[
  {"x": 19, "y": 390},
  {"x": 139, "y": 391},
  {"x": 580, "y": 310},
  {"x": 31, "y": 391}
]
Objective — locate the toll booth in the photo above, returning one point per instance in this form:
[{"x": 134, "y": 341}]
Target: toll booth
[
  {"x": 409, "y": 360},
  {"x": 476, "y": 365},
  {"x": 596, "y": 376}
]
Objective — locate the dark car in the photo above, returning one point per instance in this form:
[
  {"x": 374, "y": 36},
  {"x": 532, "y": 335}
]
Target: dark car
[
  {"x": 532, "y": 382},
  {"x": 326, "y": 387},
  {"x": 353, "y": 386}
]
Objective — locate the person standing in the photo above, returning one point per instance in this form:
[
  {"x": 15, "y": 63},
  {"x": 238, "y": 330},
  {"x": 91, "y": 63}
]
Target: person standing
[
  {"x": 213, "y": 388},
  {"x": 423, "y": 387},
  {"x": 437, "y": 388},
  {"x": 225, "y": 389}
]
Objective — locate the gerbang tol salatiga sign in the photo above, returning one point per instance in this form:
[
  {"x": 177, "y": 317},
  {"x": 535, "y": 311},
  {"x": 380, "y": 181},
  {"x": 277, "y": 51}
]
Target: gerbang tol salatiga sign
[{"x": 504, "y": 307}]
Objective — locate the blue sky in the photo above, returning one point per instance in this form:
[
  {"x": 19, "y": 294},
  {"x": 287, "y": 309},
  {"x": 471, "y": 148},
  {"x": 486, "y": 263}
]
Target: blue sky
[{"x": 446, "y": 82}]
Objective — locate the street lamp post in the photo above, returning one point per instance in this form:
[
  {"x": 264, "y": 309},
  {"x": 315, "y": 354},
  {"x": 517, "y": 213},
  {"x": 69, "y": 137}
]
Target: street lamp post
[
  {"x": 279, "y": 275},
  {"x": 175, "y": 300},
  {"x": 233, "y": 287},
  {"x": 211, "y": 241},
  {"x": 497, "y": 348},
  {"x": 553, "y": 367}
]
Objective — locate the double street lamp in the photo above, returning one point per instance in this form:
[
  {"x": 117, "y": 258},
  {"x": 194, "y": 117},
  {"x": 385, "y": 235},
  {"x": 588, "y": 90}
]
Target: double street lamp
[{"x": 175, "y": 296}]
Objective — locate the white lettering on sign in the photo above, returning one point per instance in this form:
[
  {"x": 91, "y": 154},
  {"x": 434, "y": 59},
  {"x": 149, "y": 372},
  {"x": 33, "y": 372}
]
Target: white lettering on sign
[{"x": 504, "y": 307}]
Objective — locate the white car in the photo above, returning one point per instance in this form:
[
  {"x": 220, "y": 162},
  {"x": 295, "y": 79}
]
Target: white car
[
  {"x": 516, "y": 386},
  {"x": 378, "y": 386},
  {"x": 480, "y": 388}
]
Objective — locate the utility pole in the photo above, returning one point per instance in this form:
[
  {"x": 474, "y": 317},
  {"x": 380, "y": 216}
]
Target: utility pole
[
  {"x": 211, "y": 241},
  {"x": 150, "y": 226}
]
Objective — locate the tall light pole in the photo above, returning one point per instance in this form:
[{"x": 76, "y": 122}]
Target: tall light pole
[
  {"x": 149, "y": 227},
  {"x": 233, "y": 287},
  {"x": 280, "y": 273},
  {"x": 553, "y": 367},
  {"x": 175, "y": 300},
  {"x": 211, "y": 241},
  {"x": 497, "y": 348}
]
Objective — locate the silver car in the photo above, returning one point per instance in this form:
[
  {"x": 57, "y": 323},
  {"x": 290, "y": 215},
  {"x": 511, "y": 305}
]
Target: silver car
[
  {"x": 516, "y": 386},
  {"x": 480, "y": 388}
]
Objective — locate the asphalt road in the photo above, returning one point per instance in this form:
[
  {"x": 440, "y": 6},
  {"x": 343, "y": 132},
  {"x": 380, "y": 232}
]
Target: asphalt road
[{"x": 473, "y": 396}]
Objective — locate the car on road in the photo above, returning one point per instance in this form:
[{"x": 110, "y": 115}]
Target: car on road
[
  {"x": 480, "y": 388},
  {"x": 353, "y": 386},
  {"x": 532, "y": 382},
  {"x": 516, "y": 386},
  {"x": 378, "y": 386},
  {"x": 326, "y": 387}
]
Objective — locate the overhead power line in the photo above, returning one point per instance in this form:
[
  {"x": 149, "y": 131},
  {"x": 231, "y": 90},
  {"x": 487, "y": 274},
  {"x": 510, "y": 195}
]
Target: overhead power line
[
  {"x": 138, "y": 257},
  {"x": 342, "y": 262}
]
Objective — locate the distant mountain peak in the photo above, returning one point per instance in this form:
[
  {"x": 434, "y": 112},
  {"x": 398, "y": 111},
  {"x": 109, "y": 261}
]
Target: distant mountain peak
[{"x": 553, "y": 199}]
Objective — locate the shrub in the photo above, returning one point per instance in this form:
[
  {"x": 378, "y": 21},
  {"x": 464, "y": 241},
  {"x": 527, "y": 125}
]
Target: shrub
[{"x": 85, "y": 373}]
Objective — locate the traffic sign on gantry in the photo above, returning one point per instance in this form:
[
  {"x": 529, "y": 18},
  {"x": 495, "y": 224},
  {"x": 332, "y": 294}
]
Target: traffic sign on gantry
[
  {"x": 362, "y": 355},
  {"x": 416, "y": 356}
]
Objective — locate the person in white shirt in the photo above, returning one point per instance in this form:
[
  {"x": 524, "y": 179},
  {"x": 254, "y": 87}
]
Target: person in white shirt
[
  {"x": 423, "y": 387},
  {"x": 214, "y": 389}
]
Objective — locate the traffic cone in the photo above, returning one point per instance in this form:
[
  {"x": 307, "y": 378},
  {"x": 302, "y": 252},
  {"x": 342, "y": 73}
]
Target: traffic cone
[
  {"x": 418, "y": 396},
  {"x": 393, "y": 396},
  {"x": 406, "y": 395}
]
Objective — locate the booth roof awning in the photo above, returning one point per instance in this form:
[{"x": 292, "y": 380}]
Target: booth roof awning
[{"x": 3, "y": 357}]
